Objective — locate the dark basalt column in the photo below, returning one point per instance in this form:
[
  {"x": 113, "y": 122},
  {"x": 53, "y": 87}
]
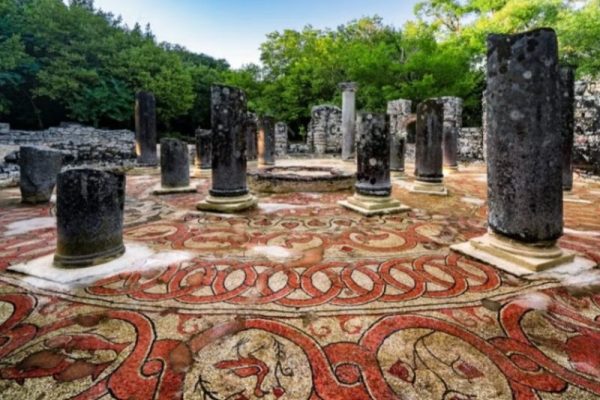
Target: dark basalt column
[
  {"x": 89, "y": 215},
  {"x": 567, "y": 104},
  {"x": 398, "y": 149},
  {"x": 524, "y": 139},
  {"x": 428, "y": 142},
  {"x": 145, "y": 129},
  {"x": 228, "y": 119},
  {"x": 266, "y": 141},
  {"x": 174, "y": 163},
  {"x": 450, "y": 145},
  {"x": 39, "y": 168},
  {"x": 251, "y": 137},
  {"x": 373, "y": 155},
  {"x": 203, "y": 149}
]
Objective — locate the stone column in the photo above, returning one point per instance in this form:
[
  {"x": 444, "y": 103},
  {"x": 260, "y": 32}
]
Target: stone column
[
  {"x": 281, "y": 139},
  {"x": 145, "y": 129},
  {"x": 229, "y": 192},
  {"x": 203, "y": 160},
  {"x": 251, "y": 129},
  {"x": 348, "y": 119},
  {"x": 453, "y": 107},
  {"x": 429, "y": 173},
  {"x": 567, "y": 112},
  {"x": 39, "y": 167},
  {"x": 524, "y": 144},
  {"x": 174, "y": 167},
  {"x": 89, "y": 217},
  {"x": 266, "y": 141},
  {"x": 398, "y": 110},
  {"x": 373, "y": 187}
]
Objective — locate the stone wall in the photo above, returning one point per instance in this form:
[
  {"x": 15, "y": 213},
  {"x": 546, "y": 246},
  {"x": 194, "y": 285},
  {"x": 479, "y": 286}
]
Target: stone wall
[
  {"x": 81, "y": 145},
  {"x": 470, "y": 144},
  {"x": 325, "y": 129},
  {"x": 586, "y": 150}
]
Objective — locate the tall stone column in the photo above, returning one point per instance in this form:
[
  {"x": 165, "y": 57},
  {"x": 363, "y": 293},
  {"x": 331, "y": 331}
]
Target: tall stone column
[
  {"x": 39, "y": 167},
  {"x": 174, "y": 168},
  {"x": 203, "y": 160},
  {"x": 399, "y": 111},
  {"x": 373, "y": 187},
  {"x": 266, "y": 141},
  {"x": 229, "y": 192},
  {"x": 251, "y": 129},
  {"x": 524, "y": 144},
  {"x": 348, "y": 119},
  {"x": 453, "y": 107},
  {"x": 145, "y": 129},
  {"x": 281, "y": 139},
  {"x": 89, "y": 217},
  {"x": 567, "y": 111},
  {"x": 429, "y": 174}
]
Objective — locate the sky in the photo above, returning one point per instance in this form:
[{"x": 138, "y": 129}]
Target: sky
[{"x": 234, "y": 29}]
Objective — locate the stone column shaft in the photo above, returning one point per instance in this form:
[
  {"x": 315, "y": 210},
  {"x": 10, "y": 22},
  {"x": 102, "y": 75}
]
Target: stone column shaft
[
  {"x": 203, "y": 149},
  {"x": 266, "y": 141},
  {"x": 251, "y": 137},
  {"x": 145, "y": 129},
  {"x": 38, "y": 169},
  {"x": 373, "y": 155},
  {"x": 453, "y": 107},
  {"x": 348, "y": 119},
  {"x": 429, "y": 131},
  {"x": 174, "y": 163},
  {"x": 567, "y": 105},
  {"x": 399, "y": 111},
  {"x": 524, "y": 141}
]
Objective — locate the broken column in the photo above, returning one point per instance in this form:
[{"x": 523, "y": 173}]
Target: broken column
[
  {"x": 429, "y": 174},
  {"x": 281, "y": 139},
  {"x": 174, "y": 167},
  {"x": 524, "y": 144},
  {"x": 145, "y": 129},
  {"x": 453, "y": 107},
  {"x": 266, "y": 141},
  {"x": 89, "y": 217},
  {"x": 399, "y": 111},
  {"x": 373, "y": 187},
  {"x": 39, "y": 167},
  {"x": 203, "y": 160},
  {"x": 348, "y": 119},
  {"x": 229, "y": 192},
  {"x": 251, "y": 129},
  {"x": 567, "y": 126}
]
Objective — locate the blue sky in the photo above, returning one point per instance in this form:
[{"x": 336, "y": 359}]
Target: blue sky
[{"x": 234, "y": 29}]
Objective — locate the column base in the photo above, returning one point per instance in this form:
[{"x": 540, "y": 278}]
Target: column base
[
  {"x": 90, "y": 260},
  {"x": 513, "y": 256},
  {"x": 371, "y": 205},
  {"x": 400, "y": 175},
  {"x": 569, "y": 197},
  {"x": 435, "y": 188},
  {"x": 451, "y": 169},
  {"x": 227, "y": 204},
  {"x": 162, "y": 190},
  {"x": 144, "y": 170},
  {"x": 265, "y": 164},
  {"x": 201, "y": 173}
]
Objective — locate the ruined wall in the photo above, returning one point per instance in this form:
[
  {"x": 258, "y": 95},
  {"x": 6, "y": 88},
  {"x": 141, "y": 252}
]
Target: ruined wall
[
  {"x": 281, "y": 139},
  {"x": 586, "y": 150},
  {"x": 325, "y": 129}
]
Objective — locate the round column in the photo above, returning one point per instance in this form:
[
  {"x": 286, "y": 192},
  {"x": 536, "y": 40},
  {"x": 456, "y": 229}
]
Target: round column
[
  {"x": 203, "y": 159},
  {"x": 174, "y": 163},
  {"x": 251, "y": 129},
  {"x": 524, "y": 140},
  {"x": 373, "y": 155},
  {"x": 266, "y": 141},
  {"x": 145, "y": 129},
  {"x": 398, "y": 110},
  {"x": 348, "y": 119},
  {"x": 89, "y": 216},
  {"x": 453, "y": 107},
  {"x": 39, "y": 167},
  {"x": 567, "y": 104},
  {"x": 428, "y": 145}
]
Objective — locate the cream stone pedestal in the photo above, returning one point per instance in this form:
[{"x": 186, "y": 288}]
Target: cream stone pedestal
[
  {"x": 372, "y": 205},
  {"x": 512, "y": 256},
  {"x": 161, "y": 190},
  {"x": 451, "y": 170},
  {"x": 227, "y": 204},
  {"x": 435, "y": 188},
  {"x": 201, "y": 173}
]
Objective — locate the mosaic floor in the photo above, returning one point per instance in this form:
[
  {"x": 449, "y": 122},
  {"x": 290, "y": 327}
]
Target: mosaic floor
[{"x": 301, "y": 299}]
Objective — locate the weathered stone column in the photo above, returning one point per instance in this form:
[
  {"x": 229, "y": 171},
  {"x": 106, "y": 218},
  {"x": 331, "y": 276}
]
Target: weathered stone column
[
  {"x": 203, "y": 160},
  {"x": 567, "y": 112},
  {"x": 145, "y": 129},
  {"x": 266, "y": 141},
  {"x": 399, "y": 111},
  {"x": 251, "y": 129},
  {"x": 229, "y": 191},
  {"x": 524, "y": 144},
  {"x": 348, "y": 119},
  {"x": 453, "y": 107},
  {"x": 429, "y": 174},
  {"x": 89, "y": 216},
  {"x": 39, "y": 167},
  {"x": 373, "y": 187},
  {"x": 174, "y": 167},
  {"x": 281, "y": 139}
]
